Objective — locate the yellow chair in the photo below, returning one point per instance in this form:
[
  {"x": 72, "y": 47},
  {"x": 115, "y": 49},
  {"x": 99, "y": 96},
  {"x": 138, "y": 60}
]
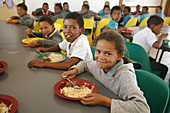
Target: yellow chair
[
  {"x": 132, "y": 22},
  {"x": 57, "y": 26},
  {"x": 60, "y": 21},
  {"x": 100, "y": 25},
  {"x": 166, "y": 20},
  {"x": 36, "y": 27},
  {"x": 144, "y": 22},
  {"x": 88, "y": 24},
  {"x": 62, "y": 34}
]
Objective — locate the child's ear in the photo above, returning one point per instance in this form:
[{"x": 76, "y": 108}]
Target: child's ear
[
  {"x": 120, "y": 56},
  {"x": 82, "y": 30},
  {"x": 152, "y": 26}
]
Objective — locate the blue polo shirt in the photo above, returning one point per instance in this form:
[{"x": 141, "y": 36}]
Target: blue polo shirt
[
  {"x": 101, "y": 12},
  {"x": 143, "y": 16},
  {"x": 66, "y": 11},
  {"x": 126, "y": 19},
  {"x": 112, "y": 24},
  {"x": 90, "y": 12},
  {"x": 160, "y": 14}
]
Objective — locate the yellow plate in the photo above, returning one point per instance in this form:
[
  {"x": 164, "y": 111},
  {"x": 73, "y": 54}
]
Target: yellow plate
[
  {"x": 10, "y": 20},
  {"x": 27, "y": 40}
]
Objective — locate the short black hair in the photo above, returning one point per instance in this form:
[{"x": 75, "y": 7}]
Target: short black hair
[
  {"x": 156, "y": 20},
  {"x": 77, "y": 17},
  {"x": 45, "y": 3},
  {"x": 86, "y": 6},
  {"x": 59, "y": 4},
  {"x": 115, "y": 8},
  {"x": 128, "y": 8},
  {"x": 160, "y": 7},
  {"x": 85, "y": 1},
  {"x": 106, "y": 6},
  {"x": 146, "y": 7},
  {"x": 47, "y": 19},
  {"x": 22, "y": 5},
  {"x": 65, "y": 3}
]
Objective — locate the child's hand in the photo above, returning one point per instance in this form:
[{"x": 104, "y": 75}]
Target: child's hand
[
  {"x": 12, "y": 17},
  {"x": 28, "y": 32},
  {"x": 96, "y": 99},
  {"x": 33, "y": 43},
  {"x": 36, "y": 63},
  {"x": 15, "y": 21},
  {"x": 70, "y": 74},
  {"x": 122, "y": 29},
  {"x": 164, "y": 35},
  {"x": 40, "y": 49}
]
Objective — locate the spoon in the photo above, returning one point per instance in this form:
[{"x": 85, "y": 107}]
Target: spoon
[
  {"x": 74, "y": 86},
  {"x": 46, "y": 59}
]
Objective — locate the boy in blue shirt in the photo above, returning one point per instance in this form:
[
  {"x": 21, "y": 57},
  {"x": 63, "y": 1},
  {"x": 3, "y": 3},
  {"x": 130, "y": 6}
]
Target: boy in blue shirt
[
  {"x": 159, "y": 11},
  {"x": 127, "y": 15},
  {"x": 90, "y": 11},
  {"x": 66, "y": 8},
  {"x": 101, "y": 12},
  {"x": 106, "y": 11},
  {"x": 144, "y": 15},
  {"x": 116, "y": 13}
]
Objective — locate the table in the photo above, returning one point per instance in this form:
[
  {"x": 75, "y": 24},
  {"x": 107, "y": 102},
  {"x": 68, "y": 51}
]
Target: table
[
  {"x": 165, "y": 29},
  {"x": 33, "y": 87}
]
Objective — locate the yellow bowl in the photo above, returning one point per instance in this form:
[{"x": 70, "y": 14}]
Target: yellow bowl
[{"x": 28, "y": 40}]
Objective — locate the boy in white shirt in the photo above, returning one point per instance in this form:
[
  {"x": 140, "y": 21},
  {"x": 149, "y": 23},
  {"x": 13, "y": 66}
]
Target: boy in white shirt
[
  {"x": 147, "y": 39},
  {"x": 76, "y": 44}
]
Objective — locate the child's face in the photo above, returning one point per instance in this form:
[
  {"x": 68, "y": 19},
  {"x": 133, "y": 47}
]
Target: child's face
[
  {"x": 106, "y": 10},
  {"x": 45, "y": 7},
  {"x": 157, "y": 28},
  {"x": 84, "y": 10},
  {"x": 106, "y": 55},
  {"x": 46, "y": 28},
  {"x": 125, "y": 11},
  {"x": 116, "y": 15},
  {"x": 66, "y": 7},
  {"x": 158, "y": 10},
  {"x": 144, "y": 10},
  {"x": 57, "y": 10},
  {"x": 137, "y": 8},
  {"x": 72, "y": 30},
  {"x": 21, "y": 12}
]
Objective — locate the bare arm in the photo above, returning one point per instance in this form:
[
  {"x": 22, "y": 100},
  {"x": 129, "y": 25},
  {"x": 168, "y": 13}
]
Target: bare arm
[{"x": 158, "y": 43}]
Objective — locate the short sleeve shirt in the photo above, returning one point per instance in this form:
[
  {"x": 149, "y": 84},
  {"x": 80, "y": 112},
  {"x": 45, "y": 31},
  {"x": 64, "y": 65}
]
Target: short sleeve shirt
[{"x": 112, "y": 24}]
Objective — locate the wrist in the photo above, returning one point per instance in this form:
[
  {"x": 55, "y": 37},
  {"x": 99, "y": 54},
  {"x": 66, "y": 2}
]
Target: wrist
[{"x": 107, "y": 102}]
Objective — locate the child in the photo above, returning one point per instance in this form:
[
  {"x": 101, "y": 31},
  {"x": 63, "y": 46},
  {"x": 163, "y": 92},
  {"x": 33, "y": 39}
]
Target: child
[
  {"x": 147, "y": 39},
  {"x": 114, "y": 72},
  {"x": 145, "y": 14},
  {"x": 84, "y": 11},
  {"x": 66, "y": 8},
  {"x": 24, "y": 18},
  {"x": 138, "y": 10},
  {"x": 42, "y": 11},
  {"x": 113, "y": 24},
  {"x": 127, "y": 15},
  {"x": 101, "y": 12},
  {"x": 48, "y": 32},
  {"x": 159, "y": 11},
  {"x": 106, "y": 11},
  {"x": 89, "y": 11},
  {"x": 76, "y": 44}
]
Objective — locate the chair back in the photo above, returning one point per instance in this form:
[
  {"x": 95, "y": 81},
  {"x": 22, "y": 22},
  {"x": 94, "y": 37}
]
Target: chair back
[
  {"x": 100, "y": 25},
  {"x": 155, "y": 90},
  {"x": 88, "y": 24},
  {"x": 93, "y": 51},
  {"x": 166, "y": 20},
  {"x": 60, "y": 21},
  {"x": 36, "y": 27},
  {"x": 144, "y": 22},
  {"x": 137, "y": 54},
  {"x": 132, "y": 22},
  {"x": 57, "y": 26}
]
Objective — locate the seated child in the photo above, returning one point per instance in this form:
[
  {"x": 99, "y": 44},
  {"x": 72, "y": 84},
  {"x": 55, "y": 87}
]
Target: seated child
[
  {"x": 145, "y": 14},
  {"x": 101, "y": 12},
  {"x": 23, "y": 18},
  {"x": 159, "y": 11},
  {"x": 84, "y": 11},
  {"x": 106, "y": 11},
  {"x": 76, "y": 44},
  {"x": 147, "y": 39},
  {"x": 127, "y": 15},
  {"x": 48, "y": 32},
  {"x": 138, "y": 10},
  {"x": 116, "y": 13},
  {"x": 43, "y": 10},
  {"x": 116, "y": 73},
  {"x": 89, "y": 11},
  {"x": 66, "y": 8},
  {"x": 58, "y": 12}
]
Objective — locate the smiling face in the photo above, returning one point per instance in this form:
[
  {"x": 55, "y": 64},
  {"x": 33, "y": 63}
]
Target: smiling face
[
  {"x": 46, "y": 28},
  {"x": 72, "y": 30},
  {"x": 106, "y": 55},
  {"x": 116, "y": 15},
  {"x": 21, "y": 12}
]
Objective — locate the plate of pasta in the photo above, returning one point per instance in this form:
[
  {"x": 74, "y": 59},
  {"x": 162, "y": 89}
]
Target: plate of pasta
[
  {"x": 8, "y": 104},
  {"x": 66, "y": 91},
  {"x": 53, "y": 56}
]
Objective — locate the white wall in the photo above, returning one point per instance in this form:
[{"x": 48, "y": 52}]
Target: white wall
[{"x": 75, "y": 5}]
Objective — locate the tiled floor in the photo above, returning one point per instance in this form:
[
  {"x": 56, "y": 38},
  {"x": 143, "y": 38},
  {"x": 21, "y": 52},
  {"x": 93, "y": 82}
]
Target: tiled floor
[{"x": 165, "y": 60}]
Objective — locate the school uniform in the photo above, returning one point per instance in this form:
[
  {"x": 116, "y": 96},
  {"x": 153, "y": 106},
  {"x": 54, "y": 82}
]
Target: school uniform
[
  {"x": 112, "y": 24},
  {"x": 51, "y": 40},
  {"x": 126, "y": 19},
  {"x": 64, "y": 11},
  {"x": 89, "y": 12},
  {"x": 87, "y": 15},
  {"x": 39, "y": 12},
  {"x": 146, "y": 38},
  {"x": 101, "y": 12},
  {"x": 143, "y": 16},
  {"x": 25, "y": 20},
  {"x": 79, "y": 48},
  {"x": 121, "y": 80},
  {"x": 160, "y": 14}
]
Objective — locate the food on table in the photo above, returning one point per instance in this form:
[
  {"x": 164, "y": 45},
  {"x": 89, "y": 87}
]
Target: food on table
[
  {"x": 1, "y": 67},
  {"x": 46, "y": 59},
  {"x": 55, "y": 57},
  {"x": 4, "y": 108}
]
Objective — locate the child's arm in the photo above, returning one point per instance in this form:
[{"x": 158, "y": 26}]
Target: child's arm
[
  {"x": 30, "y": 32},
  {"x": 119, "y": 29},
  {"x": 158, "y": 43},
  {"x": 26, "y": 21}
]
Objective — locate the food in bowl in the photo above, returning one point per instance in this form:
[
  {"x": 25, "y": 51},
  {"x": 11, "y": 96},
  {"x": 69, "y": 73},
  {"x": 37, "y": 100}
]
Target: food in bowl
[
  {"x": 55, "y": 57},
  {"x": 4, "y": 108}
]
